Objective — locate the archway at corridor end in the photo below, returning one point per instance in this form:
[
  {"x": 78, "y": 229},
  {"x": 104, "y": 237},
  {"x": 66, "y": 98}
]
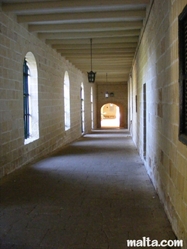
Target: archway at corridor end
[{"x": 110, "y": 116}]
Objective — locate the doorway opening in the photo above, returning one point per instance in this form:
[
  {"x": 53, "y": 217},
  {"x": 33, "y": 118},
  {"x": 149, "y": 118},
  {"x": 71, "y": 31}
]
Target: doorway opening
[
  {"x": 82, "y": 108},
  {"x": 144, "y": 121},
  {"x": 110, "y": 116}
]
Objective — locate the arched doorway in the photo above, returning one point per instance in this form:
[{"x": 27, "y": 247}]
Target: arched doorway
[{"x": 110, "y": 116}]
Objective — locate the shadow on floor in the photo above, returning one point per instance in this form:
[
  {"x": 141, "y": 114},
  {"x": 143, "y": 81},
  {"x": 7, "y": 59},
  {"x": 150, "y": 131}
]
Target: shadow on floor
[{"x": 94, "y": 194}]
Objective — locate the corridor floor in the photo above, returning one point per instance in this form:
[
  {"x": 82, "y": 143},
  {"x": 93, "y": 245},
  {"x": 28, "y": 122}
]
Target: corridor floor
[{"x": 93, "y": 194}]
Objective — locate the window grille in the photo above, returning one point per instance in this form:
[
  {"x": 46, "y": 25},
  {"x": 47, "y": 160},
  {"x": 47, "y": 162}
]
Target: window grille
[
  {"x": 183, "y": 75},
  {"x": 26, "y": 114}
]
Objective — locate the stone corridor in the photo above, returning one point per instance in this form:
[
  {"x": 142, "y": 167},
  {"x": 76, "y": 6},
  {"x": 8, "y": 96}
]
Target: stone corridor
[{"x": 93, "y": 194}]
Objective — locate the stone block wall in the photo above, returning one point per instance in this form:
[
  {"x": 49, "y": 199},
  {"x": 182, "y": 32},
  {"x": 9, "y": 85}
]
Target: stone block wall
[
  {"x": 157, "y": 66},
  {"x": 15, "y": 43}
]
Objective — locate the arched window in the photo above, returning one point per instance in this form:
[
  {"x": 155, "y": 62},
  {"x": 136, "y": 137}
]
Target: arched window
[
  {"x": 30, "y": 98},
  {"x": 66, "y": 101},
  {"x": 92, "y": 116}
]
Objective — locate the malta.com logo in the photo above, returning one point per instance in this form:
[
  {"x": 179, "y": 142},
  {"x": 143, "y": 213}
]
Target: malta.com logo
[{"x": 147, "y": 242}]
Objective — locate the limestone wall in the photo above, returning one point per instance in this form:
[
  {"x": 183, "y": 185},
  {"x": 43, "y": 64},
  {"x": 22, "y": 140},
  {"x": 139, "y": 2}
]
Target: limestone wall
[
  {"x": 157, "y": 66},
  {"x": 15, "y": 43},
  {"x": 117, "y": 95}
]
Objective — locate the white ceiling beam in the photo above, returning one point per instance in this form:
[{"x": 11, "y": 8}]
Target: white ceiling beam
[
  {"x": 96, "y": 46},
  {"x": 108, "y": 67},
  {"x": 68, "y": 25},
  {"x": 116, "y": 81},
  {"x": 111, "y": 77},
  {"x": 102, "y": 74},
  {"x": 115, "y": 56},
  {"x": 127, "y": 15},
  {"x": 97, "y": 56},
  {"x": 97, "y": 51},
  {"x": 66, "y": 5},
  {"x": 97, "y": 66},
  {"x": 74, "y": 42},
  {"x": 102, "y": 26},
  {"x": 106, "y": 62},
  {"x": 113, "y": 69},
  {"x": 95, "y": 42},
  {"x": 114, "y": 73},
  {"x": 88, "y": 35}
]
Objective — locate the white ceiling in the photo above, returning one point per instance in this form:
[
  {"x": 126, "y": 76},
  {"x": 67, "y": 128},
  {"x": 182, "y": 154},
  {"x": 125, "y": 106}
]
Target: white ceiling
[{"x": 68, "y": 26}]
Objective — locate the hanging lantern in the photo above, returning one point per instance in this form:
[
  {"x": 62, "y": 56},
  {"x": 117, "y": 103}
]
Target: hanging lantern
[{"x": 91, "y": 74}]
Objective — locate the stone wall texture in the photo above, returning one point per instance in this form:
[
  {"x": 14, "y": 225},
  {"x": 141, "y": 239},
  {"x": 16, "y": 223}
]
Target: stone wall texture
[
  {"x": 15, "y": 43},
  {"x": 120, "y": 98},
  {"x": 156, "y": 65}
]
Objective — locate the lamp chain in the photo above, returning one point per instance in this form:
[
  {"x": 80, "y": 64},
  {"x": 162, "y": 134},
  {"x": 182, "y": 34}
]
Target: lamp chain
[{"x": 91, "y": 51}]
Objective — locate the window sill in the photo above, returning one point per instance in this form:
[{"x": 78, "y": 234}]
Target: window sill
[
  {"x": 183, "y": 138},
  {"x": 30, "y": 140}
]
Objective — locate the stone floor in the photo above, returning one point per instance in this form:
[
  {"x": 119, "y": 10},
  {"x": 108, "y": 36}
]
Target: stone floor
[{"x": 93, "y": 194}]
